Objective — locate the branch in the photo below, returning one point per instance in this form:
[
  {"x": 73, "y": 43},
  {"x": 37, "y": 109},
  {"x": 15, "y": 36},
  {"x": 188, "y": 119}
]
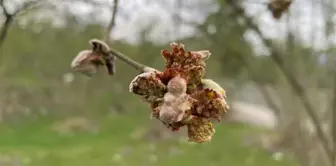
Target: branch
[
  {"x": 296, "y": 86},
  {"x": 263, "y": 90},
  {"x": 110, "y": 61},
  {"x": 114, "y": 53},
  {"x": 334, "y": 119},
  {"x": 4, "y": 9},
  {"x": 112, "y": 21},
  {"x": 9, "y": 17},
  {"x": 136, "y": 65}
]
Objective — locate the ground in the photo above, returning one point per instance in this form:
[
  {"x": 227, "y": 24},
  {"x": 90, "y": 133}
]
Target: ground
[{"x": 35, "y": 144}]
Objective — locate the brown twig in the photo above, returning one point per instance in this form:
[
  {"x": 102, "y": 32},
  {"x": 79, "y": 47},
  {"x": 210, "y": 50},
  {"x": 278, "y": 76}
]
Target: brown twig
[
  {"x": 112, "y": 21},
  {"x": 136, "y": 65},
  {"x": 246, "y": 62},
  {"x": 9, "y": 17},
  {"x": 296, "y": 86},
  {"x": 334, "y": 119},
  {"x": 114, "y": 53},
  {"x": 111, "y": 61}
]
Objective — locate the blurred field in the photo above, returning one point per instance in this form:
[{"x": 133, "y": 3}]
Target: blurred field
[
  {"x": 50, "y": 116},
  {"x": 116, "y": 143}
]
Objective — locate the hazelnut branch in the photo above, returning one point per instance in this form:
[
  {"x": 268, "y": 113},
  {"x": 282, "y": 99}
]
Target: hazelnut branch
[
  {"x": 114, "y": 53},
  {"x": 138, "y": 66}
]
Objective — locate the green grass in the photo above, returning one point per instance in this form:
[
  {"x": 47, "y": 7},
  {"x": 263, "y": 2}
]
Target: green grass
[{"x": 34, "y": 144}]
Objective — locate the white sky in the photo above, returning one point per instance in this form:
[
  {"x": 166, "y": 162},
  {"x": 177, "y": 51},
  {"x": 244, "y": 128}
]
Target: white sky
[{"x": 134, "y": 15}]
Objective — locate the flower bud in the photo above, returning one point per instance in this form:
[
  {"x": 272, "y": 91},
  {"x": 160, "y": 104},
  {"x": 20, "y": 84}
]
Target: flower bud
[{"x": 86, "y": 62}]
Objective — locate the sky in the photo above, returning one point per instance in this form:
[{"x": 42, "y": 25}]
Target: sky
[
  {"x": 306, "y": 21},
  {"x": 134, "y": 15}
]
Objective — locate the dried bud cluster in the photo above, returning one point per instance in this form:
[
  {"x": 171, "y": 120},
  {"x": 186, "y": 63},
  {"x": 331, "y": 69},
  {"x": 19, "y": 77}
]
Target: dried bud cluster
[
  {"x": 179, "y": 95},
  {"x": 88, "y": 62},
  {"x": 277, "y": 7}
]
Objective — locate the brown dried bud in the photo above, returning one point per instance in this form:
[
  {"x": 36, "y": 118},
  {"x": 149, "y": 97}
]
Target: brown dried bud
[{"x": 87, "y": 62}]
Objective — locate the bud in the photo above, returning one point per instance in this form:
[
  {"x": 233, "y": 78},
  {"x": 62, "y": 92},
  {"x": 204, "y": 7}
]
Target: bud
[{"x": 86, "y": 62}]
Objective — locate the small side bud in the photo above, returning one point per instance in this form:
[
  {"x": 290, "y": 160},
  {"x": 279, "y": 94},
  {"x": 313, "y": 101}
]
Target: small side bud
[{"x": 86, "y": 62}]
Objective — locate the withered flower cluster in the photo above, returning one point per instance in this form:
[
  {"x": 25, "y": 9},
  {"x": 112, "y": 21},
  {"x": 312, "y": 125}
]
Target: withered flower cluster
[
  {"x": 277, "y": 7},
  {"x": 179, "y": 96}
]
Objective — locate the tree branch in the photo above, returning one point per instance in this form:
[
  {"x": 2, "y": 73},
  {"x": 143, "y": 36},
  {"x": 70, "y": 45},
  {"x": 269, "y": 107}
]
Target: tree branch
[
  {"x": 333, "y": 126},
  {"x": 296, "y": 86},
  {"x": 110, "y": 62},
  {"x": 4, "y": 9},
  {"x": 114, "y": 53},
  {"x": 136, "y": 65},
  {"x": 9, "y": 17},
  {"x": 246, "y": 62},
  {"x": 112, "y": 21}
]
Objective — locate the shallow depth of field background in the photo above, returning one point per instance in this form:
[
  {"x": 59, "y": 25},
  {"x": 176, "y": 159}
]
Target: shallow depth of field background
[{"x": 50, "y": 116}]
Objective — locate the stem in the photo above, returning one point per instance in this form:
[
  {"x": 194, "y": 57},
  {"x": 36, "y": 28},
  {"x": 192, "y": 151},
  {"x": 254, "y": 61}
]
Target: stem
[
  {"x": 112, "y": 21},
  {"x": 138, "y": 66},
  {"x": 334, "y": 122},
  {"x": 4, "y": 29},
  {"x": 114, "y": 53}
]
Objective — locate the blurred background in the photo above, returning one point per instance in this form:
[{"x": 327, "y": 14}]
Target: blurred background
[{"x": 279, "y": 75}]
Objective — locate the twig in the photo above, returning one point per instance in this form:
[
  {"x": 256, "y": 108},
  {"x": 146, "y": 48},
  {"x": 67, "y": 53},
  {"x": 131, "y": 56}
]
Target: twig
[
  {"x": 112, "y": 21},
  {"x": 111, "y": 63},
  {"x": 297, "y": 88},
  {"x": 138, "y": 66},
  {"x": 334, "y": 119},
  {"x": 9, "y": 17},
  {"x": 246, "y": 62},
  {"x": 114, "y": 53}
]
